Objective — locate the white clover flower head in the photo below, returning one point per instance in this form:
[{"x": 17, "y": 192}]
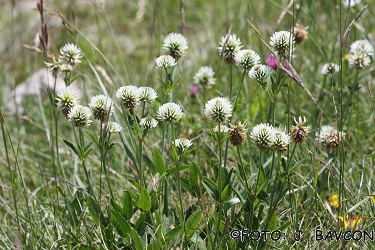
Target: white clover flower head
[
  {"x": 329, "y": 137},
  {"x": 329, "y": 68},
  {"x": 350, "y": 3},
  {"x": 101, "y": 107},
  {"x": 66, "y": 68},
  {"x": 165, "y": 62},
  {"x": 129, "y": 97},
  {"x": 56, "y": 67},
  {"x": 71, "y": 53},
  {"x": 259, "y": 72},
  {"x": 147, "y": 94},
  {"x": 66, "y": 100},
  {"x": 263, "y": 136},
  {"x": 229, "y": 46},
  {"x": 363, "y": 47},
  {"x": 299, "y": 131},
  {"x": 113, "y": 127},
  {"x": 359, "y": 60},
  {"x": 176, "y": 45},
  {"x": 282, "y": 140},
  {"x": 169, "y": 112},
  {"x": 283, "y": 43},
  {"x": 205, "y": 77},
  {"x": 222, "y": 129},
  {"x": 148, "y": 122},
  {"x": 237, "y": 134},
  {"x": 182, "y": 144},
  {"x": 218, "y": 109},
  {"x": 247, "y": 59},
  {"x": 79, "y": 116}
]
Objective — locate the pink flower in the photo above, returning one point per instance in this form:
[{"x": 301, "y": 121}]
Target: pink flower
[
  {"x": 193, "y": 90},
  {"x": 271, "y": 61}
]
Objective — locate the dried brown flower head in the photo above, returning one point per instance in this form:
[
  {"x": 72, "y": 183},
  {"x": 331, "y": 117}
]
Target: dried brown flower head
[
  {"x": 299, "y": 132},
  {"x": 237, "y": 134},
  {"x": 300, "y": 34}
]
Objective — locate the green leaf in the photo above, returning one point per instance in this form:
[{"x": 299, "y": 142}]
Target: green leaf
[
  {"x": 211, "y": 188},
  {"x": 192, "y": 223},
  {"x": 149, "y": 163},
  {"x": 172, "y": 234},
  {"x": 88, "y": 146},
  {"x": 136, "y": 240},
  {"x": 121, "y": 224},
  {"x": 127, "y": 206},
  {"x": 225, "y": 195},
  {"x": 273, "y": 222},
  {"x": 195, "y": 177},
  {"x": 72, "y": 147},
  {"x": 144, "y": 201},
  {"x": 159, "y": 163},
  {"x": 174, "y": 154},
  {"x": 93, "y": 210}
]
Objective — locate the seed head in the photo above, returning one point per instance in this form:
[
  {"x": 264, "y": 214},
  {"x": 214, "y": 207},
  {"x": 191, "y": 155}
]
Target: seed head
[
  {"x": 299, "y": 132},
  {"x": 237, "y": 134},
  {"x": 300, "y": 34},
  {"x": 329, "y": 137}
]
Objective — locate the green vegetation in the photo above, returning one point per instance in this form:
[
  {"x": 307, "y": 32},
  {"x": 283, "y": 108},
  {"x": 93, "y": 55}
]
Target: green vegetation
[{"x": 288, "y": 157}]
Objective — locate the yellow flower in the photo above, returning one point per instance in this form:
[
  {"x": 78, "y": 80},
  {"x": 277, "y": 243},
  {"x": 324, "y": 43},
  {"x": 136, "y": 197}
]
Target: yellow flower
[
  {"x": 346, "y": 57},
  {"x": 334, "y": 200},
  {"x": 373, "y": 199},
  {"x": 350, "y": 224}
]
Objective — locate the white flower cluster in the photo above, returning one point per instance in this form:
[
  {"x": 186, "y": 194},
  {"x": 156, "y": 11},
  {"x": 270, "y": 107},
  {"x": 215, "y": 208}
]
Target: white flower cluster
[
  {"x": 283, "y": 43},
  {"x": 218, "y": 109},
  {"x": 69, "y": 53},
  {"x": 265, "y": 136},
  {"x": 229, "y": 46},
  {"x": 130, "y": 96},
  {"x": 205, "y": 77},
  {"x": 329, "y": 137},
  {"x": 329, "y": 68},
  {"x": 182, "y": 144},
  {"x": 360, "y": 54}
]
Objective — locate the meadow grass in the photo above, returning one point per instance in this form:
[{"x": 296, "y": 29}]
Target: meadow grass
[{"x": 277, "y": 172}]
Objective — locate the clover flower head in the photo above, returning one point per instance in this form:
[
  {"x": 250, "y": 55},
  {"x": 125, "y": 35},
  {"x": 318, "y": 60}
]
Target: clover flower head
[
  {"x": 271, "y": 61},
  {"x": 66, "y": 100},
  {"x": 237, "y": 134},
  {"x": 363, "y": 47},
  {"x": 165, "y": 62},
  {"x": 101, "y": 107},
  {"x": 263, "y": 136},
  {"x": 148, "y": 122},
  {"x": 300, "y": 34},
  {"x": 176, "y": 45},
  {"x": 169, "y": 112},
  {"x": 229, "y": 46},
  {"x": 205, "y": 77},
  {"x": 129, "y": 97},
  {"x": 218, "y": 109},
  {"x": 282, "y": 140},
  {"x": 182, "y": 144},
  {"x": 220, "y": 128},
  {"x": 71, "y": 53},
  {"x": 56, "y": 67},
  {"x": 283, "y": 43},
  {"x": 329, "y": 137},
  {"x": 113, "y": 127},
  {"x": 329, "y": 68},
  {"x": 299, "y": 131},
  {"x": 359, "y": 61},
  {"x": 259, "y": 72},
  {"x": 247, "y": 58},
  {"x": 147, "y": 94},
  {"x": 79, "y": 116}
]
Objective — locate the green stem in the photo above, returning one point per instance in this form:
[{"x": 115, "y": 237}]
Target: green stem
[
  {"x": 181, "y": 205},
  {"x": 219, "y": 187}
]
